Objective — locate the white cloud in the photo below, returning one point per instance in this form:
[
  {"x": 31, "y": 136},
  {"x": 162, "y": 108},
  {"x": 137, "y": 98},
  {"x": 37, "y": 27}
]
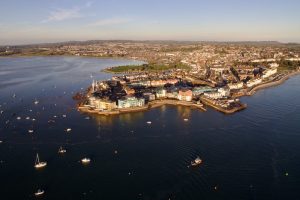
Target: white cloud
[
  {"x": 63, "y": 14},
  {"x": 112, "y": 21}
]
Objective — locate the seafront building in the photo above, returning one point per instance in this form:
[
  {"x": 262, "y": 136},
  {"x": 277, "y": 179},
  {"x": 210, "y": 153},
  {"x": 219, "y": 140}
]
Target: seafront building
[
  {"x": 254, "y": 82},
  {"x": 221, "y": 93},
  {"x": 269, "y": 72},
  {"x": 161, "y": 93},
  {"x": 130, "y": 102},
  {"x": 201, "y": 90},
  {"x": 236, "y": 86},
  {"x": 149, "y": 96},
  {"x": 102, "y": 104},
  {"x": 185, "y": 95}
]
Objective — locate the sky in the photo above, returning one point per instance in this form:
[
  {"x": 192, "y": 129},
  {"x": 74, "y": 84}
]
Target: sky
[{"x": 39, "y": 21}]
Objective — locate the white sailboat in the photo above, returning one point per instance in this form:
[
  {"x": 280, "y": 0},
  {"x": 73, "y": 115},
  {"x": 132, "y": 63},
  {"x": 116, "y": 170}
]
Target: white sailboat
[
  {"x": 39, "y": 192},
  {"x": 61, "y": 150},
  {"x": 196, "y": 162},
  {"x": 39, "y": 164}
]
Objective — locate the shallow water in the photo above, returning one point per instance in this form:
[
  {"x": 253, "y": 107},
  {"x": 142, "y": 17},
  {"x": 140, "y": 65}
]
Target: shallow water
[{"x": 245, "y": 155}]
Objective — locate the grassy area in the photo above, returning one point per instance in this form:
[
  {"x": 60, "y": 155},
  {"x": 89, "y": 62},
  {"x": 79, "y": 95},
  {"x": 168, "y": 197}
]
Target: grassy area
[
  {"x": 285, "y": 65},
  {"x": 146, "y": 67}
]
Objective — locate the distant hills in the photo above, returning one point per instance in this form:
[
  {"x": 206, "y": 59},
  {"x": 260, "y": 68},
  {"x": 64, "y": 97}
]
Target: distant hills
[{"x": 91, "y": 42}]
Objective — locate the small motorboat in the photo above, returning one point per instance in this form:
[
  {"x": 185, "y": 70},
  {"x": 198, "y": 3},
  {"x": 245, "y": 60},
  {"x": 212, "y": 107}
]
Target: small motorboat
[
  {"x": 61, "y": 150},
  {"x": 18, "y": 118},
  {"x": 196, "y": 162},
  {"x": 36, "y": 102},
  {"x": 185, "y": 119},
  {"x": 38, "y": 164},
  {"x": 39, "y": 192},
  {"x": 30, "y": 131},
  {"x": 85, "y": 160},
  {"x": 149, "y": 122}
]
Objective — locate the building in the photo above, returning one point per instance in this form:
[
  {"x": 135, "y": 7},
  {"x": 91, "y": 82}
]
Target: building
[
  {"x": 254, "y": 82},
  {"x": 221, "y": 93},
  {"x": 200, "y": 90},
  {"x": 185, "y": 95},
  {"x": 149, "y": 96},
  {"x": 162, "y": 82},
  {"x": 172, "y": 95},
  {"x": 102, "y": 104},
  {"x": 130, "y": 102},
  {"x": 236, "y": 86},
  {"x": 274, "y": 65},
  {"x": 161, "y": 93},
  {"x": 269, "y": 72},
  {"x": 129, "y": 91}
]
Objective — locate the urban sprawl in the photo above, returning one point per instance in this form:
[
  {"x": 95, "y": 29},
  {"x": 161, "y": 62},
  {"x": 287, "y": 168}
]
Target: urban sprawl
[{"x": 178, "y": 73}]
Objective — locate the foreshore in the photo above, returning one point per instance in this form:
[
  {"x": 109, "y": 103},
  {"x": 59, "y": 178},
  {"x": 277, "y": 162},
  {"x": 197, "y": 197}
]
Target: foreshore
[{"x": 152, "y": 104}]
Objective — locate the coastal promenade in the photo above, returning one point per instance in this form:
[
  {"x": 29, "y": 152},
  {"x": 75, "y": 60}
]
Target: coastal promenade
[
  {"x": 152, "y": 104},
  {"x": 272, "y": 83}
]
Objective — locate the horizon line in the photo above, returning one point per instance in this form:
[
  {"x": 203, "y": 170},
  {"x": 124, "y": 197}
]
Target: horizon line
[{"x": 150, "y": 40}]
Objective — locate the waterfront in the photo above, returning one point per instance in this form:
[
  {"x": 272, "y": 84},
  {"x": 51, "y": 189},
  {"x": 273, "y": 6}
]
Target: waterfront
[{"x": 245, "y": 155}]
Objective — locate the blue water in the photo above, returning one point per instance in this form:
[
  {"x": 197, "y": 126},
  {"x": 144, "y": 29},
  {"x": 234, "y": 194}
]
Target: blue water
[{"x": 253, "y": 154}]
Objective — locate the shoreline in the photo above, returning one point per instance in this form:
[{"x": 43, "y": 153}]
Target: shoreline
[
  {"x": 205, "y": 101},
  {"x": 272, "y": 83},
  {"x": 150, "y": 105}
]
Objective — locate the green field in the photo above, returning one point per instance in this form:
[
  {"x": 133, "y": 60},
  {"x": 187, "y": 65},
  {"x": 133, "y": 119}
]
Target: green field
[{"x": 146, "y": 67}]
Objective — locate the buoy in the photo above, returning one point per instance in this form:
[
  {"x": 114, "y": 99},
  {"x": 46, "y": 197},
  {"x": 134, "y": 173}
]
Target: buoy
[{"x": 286, "y": 174}]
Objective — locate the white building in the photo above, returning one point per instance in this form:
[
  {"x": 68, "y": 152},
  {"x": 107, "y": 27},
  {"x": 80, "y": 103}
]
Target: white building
[
  {"x": 274, "y": 65},
  {"x": 269, "y": 72},
  {"x": 161, "y": 93},
  {"x": 254, "y": 82},
  {"x": 235, "y": 86},
  {"x": 221, "y": 93}
]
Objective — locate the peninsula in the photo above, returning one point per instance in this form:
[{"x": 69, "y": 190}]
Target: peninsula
[{"x": 194, "y": 74}]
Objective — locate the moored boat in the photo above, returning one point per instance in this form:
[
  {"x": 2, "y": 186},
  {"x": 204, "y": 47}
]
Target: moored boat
[
  {"x": 85, "y": 160},
  {"x": 61, "y": 150},
  {"x": 39, "y": 192},
  {"x": 38, "y": 164},
  {"x": 196, "y": 162}
]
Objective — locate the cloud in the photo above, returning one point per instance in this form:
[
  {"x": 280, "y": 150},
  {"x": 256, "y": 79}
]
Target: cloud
[
  {"x": 63, "y": 14},
  {"x": 112, "y": 21}
]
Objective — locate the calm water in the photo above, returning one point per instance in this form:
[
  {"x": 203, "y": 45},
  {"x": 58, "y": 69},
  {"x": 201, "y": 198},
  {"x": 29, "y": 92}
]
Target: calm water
[{"x": 254, "y": 154}]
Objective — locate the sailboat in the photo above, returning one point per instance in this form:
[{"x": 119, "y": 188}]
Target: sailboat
[
  {"x": 39, "y": 164},
  {"x": 61, "y": 150},
  {"x": 39, "y": 192},
  {"x": 196, "y": 162}
]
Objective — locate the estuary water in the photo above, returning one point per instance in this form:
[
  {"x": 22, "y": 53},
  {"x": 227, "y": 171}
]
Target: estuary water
[{"x": 253, "y": 154}]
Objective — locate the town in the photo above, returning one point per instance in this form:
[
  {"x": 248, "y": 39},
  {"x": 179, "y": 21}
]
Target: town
[
  {"x": 214, "y": 79},
  {"x": 194, "y": 74}
]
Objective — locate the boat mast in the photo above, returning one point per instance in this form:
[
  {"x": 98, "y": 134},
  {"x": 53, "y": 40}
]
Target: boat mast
[{"x": 37, "y": 159}]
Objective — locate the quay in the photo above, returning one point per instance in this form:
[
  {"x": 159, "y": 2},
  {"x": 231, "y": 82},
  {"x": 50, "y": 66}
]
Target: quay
[{"x": 238, "y": 106}]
